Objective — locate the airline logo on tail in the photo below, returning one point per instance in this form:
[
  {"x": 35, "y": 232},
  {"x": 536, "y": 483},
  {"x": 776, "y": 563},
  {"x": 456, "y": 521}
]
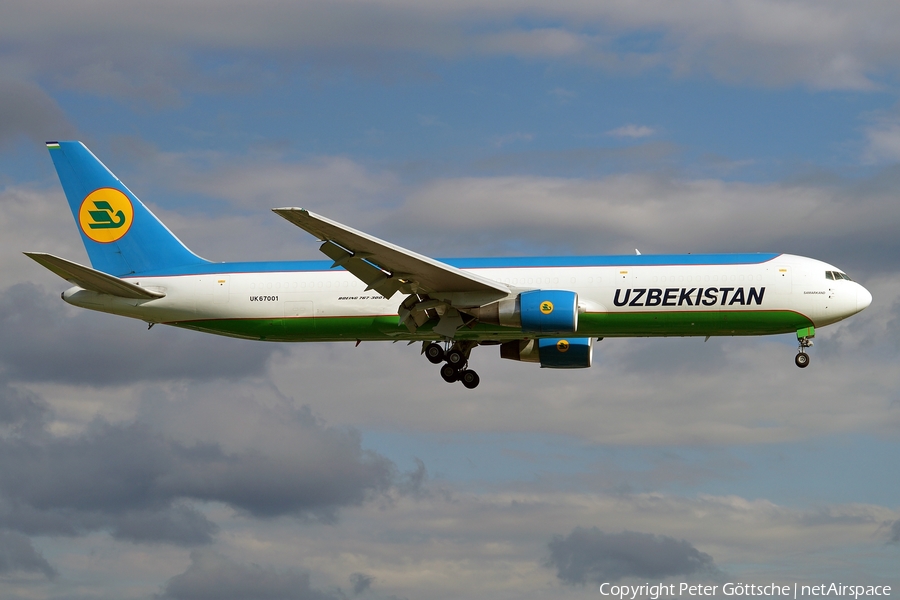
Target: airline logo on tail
[{"x": 106, "y": 215}]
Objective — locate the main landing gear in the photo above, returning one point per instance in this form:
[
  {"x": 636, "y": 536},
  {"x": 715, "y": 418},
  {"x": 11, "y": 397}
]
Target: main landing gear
[{"x": 455, "y": 359}]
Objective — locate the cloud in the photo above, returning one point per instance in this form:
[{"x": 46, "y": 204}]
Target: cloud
[
  {"x": 894, "y": 534},
  {"x": 510, "y": 138},
  {"x": 106, "y": 345},
  {"x": 360, "y": 582},
  {"x": 17, "y": 555},
  {"x": 616, "y": 213},
  {"x": 178, "y": 524},
  {"x": 27, "y": 110},
  {"x": 882, "y": 143},
  {"x": 118, "y": 467},
  {"x": 632, "y": 131},
  {"x": 540, "y": 42},
  {"x": 152, "y": 53},
  {"x": 21, "y": 409},
  {"x": 212, "y": 576},
  {"x": 137, "y": 483},
  {"x": 563, "y": 95},
  {"x": 333, "y": 181},
  {"x": 591, "y": 555}
]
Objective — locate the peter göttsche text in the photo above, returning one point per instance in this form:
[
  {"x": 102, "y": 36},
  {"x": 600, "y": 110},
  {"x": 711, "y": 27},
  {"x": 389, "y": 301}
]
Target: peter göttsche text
[{"x": 660, "y": 590}]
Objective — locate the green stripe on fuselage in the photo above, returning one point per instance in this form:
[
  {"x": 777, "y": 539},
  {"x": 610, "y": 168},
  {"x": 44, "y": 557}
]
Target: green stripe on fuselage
[{"x": 619, "y": 324}]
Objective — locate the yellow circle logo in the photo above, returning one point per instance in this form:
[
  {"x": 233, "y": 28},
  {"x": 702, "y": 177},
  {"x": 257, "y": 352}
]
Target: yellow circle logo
[
  {"x": 546, "y": 307},
  {"x": 105, "y": 215},
  {"x": 562, "y": 345}
]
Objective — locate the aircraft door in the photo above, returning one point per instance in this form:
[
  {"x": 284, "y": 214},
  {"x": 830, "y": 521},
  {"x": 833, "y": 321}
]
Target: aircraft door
[
  {"x": 221, "y": 289},
  {"x": 783, "y": 280},
  {"x": 619, "y": 290}
]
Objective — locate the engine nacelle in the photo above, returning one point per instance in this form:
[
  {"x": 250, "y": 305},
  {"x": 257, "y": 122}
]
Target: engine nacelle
[
  {"x": 535, "y": 311},
  {"x": 551, "y": 353},
  {"x": 549, "y": 311}
]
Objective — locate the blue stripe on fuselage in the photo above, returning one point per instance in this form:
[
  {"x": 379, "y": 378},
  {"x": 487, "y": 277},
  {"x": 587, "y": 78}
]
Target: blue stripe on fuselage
[{"x": 643, "y": 260}]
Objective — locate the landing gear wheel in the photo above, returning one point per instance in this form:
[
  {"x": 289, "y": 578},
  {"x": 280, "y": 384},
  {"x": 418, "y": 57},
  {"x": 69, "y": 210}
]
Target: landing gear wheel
[
  {"x": 456, "y": 359},
  {"x": 801, "y": 360},
  {"x": 470, "y": 379},
  {"x": 434, "y": 353},
  {"x": 449, "y": 373}
]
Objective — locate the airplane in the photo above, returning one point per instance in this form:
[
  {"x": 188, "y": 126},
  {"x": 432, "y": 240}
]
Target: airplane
[{"x": 544, "y": 310}]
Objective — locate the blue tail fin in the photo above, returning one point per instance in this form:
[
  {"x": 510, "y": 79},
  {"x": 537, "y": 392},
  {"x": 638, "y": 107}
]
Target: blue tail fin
[{"x": 122, "y": 237}]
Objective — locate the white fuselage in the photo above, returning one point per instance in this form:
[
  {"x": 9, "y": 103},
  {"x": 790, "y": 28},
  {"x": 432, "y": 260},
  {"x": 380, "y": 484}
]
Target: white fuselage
[{"x": 786, "y": 283}]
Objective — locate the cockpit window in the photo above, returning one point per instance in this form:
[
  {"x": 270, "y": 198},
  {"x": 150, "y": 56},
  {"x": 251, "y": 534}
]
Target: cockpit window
[{"x": 835, "y": 275}]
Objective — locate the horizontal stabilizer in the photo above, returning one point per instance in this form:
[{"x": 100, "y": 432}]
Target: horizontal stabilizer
[{"x": 91, "y": 279}]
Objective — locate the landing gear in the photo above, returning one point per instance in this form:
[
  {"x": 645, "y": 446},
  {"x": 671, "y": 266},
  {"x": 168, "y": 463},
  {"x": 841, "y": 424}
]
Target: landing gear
[
  {"x": 470, "y": 379},
  {"x": 802, "y": 358},
  {"x": 455, "y": 360},
  {"x": 449, "y": 373},
  {"x": 434, "y": 353}
]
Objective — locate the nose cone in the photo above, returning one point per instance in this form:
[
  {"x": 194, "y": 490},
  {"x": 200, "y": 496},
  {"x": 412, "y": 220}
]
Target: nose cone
[{"x": 863, "y": 298}]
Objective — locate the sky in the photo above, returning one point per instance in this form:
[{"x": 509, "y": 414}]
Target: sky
[{"x": 171, "y": 465}]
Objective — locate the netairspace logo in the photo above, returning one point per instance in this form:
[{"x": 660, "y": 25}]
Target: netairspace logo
[{"x": 795, "y": 591}]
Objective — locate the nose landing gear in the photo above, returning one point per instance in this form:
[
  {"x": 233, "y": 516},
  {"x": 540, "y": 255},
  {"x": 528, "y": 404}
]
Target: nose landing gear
[{"x": 455, "y": 360}]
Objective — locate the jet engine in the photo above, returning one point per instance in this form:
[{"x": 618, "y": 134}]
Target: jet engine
[
  {"x": 551, "y": 353},
  {"x": 535, "y": 311}
]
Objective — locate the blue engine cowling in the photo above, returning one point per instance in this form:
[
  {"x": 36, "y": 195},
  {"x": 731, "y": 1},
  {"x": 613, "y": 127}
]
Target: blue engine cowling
[
  {"x": 561, "y": 353},
  {"x": 552, "y": 353},
  {"x": 549, "y": 311}
]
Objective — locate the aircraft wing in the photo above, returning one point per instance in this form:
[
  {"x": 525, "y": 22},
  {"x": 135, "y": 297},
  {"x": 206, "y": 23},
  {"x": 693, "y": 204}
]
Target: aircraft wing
[
  {"x": 388, "y": 268},
  {"x": 91, "y": 279}
]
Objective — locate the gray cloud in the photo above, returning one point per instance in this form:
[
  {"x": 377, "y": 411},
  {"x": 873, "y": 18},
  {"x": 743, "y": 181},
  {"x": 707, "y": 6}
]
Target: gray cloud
[
  {"x": 852, "y": 223},
  {"x": 832, "y": 516},
  {"x": 142, "y": 51},
  {"x": 894, "y": 535},
  {"x": 27, "y": 110},
  {"x": 591, "y": 555},
  {"x": 54, "y": 343},
  {"x": 212, "y": 576},
  {"x": 360, "y": 582},
  {"x": 21, "y": 409},
  {"x": 113, "y": 468},
  {"x": 179, "y": 524},
  {"x": 847, "y": 221},
  {"x": 135, "y": 482},
  {"x": 17, "y": 554}
]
